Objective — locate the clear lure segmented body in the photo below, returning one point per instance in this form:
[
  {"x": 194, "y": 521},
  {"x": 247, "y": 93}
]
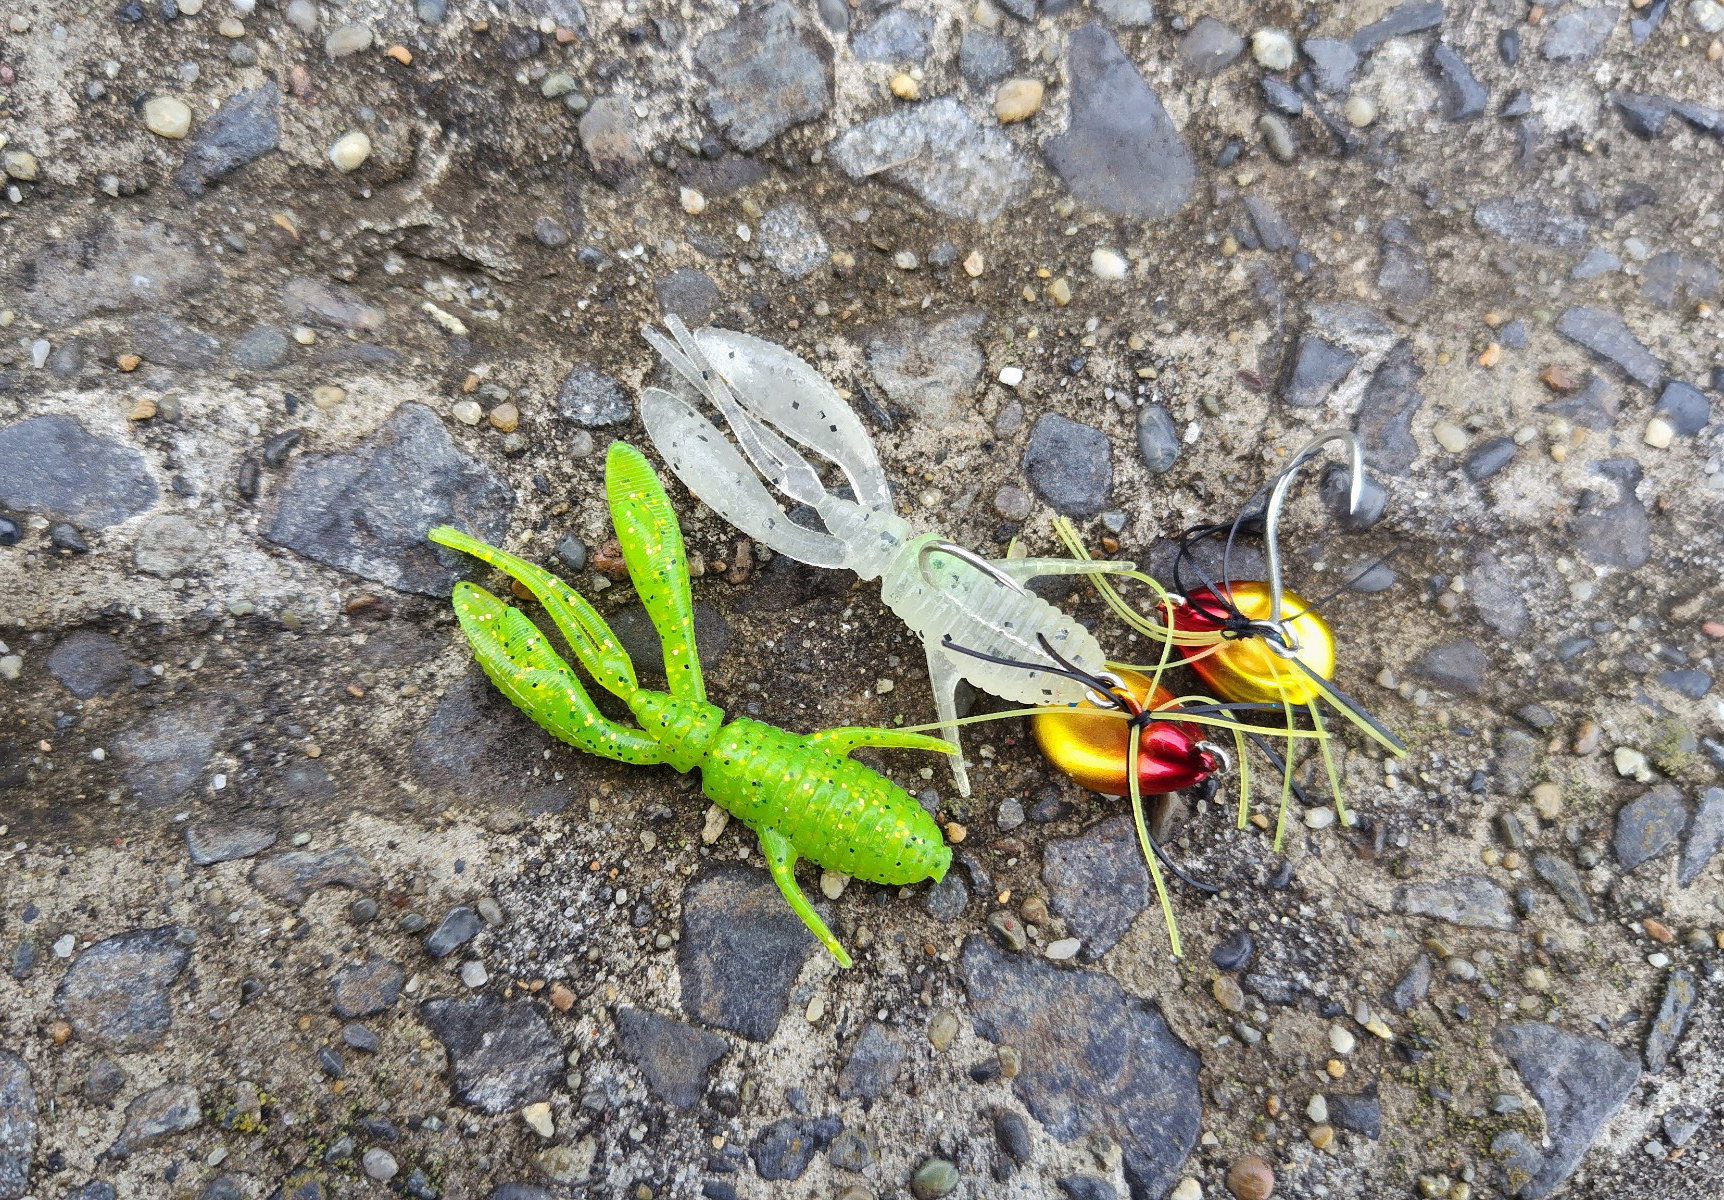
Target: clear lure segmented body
[{"x": 946, "y": 595}]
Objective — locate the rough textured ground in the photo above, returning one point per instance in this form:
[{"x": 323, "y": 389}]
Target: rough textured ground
[{"x": 292, "y": 905}]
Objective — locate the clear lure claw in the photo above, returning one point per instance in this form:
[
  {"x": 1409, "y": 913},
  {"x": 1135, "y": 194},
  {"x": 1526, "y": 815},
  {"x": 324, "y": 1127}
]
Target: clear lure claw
[{"x": 770, "y": 398}]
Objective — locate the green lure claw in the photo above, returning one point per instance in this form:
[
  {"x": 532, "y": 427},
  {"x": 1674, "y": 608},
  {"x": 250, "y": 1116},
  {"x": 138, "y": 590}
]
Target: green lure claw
[{"x": 801, "y": 794}]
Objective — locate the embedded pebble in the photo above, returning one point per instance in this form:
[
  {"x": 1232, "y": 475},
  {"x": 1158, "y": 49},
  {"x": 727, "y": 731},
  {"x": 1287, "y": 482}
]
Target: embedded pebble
[
  {"x": 350, "y": 150},
  {"x": 1272, "y": 49},
  {"x": 167, "y": 116}
]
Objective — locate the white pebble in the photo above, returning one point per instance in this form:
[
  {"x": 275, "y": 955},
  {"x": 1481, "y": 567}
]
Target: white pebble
[
  {"x": 467, "y": 412},
  {"x": 1063, "y": 949},
  {"x": 693, "y": 203},
  {"x": 1360, "y": 111},
  {"x": 350, "y": 150},
  {"x": 1658, "y": 433},
  {"x": 167, "y": 116},
  {"x": 1631, "y": 763},
  {"x": 191, "y": 8},
  {"x": 1708, "y": 14},
  {"x": 1341, "y": 1040},
  {"x": 1319, "y": 818},
  {"x": 473, "y": 973},
  {"x": 379, "y": 1164},
  {"x": 1658, "y": 959},
  {"x": 538, "y": 1119},
  {"x": 1450, "y": 437},
  {"x": 11, "y": 666},
  {"x": 65, "y": 945},
  {"x": 1188, "y": 1189},
  {"x": 1272, "y": 49},
  {"x": 349, "y": 39},
  {"x": 1318, "y": 1109},
  {"x": 1012, "y": 376},
  {"x": 904, "y": 260},
  {"x": 1107, "y": 264},
  {"x": 21, "y": 165},
  {"x": 302, "y": 15},
  {"x": 39, "y": 352}
]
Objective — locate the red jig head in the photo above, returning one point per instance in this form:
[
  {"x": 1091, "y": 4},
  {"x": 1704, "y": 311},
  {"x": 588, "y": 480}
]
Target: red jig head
[{"x": 1095, "y": 750}]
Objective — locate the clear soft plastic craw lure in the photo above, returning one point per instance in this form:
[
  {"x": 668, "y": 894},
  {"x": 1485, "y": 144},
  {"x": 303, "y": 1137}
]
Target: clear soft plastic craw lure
[{"x": 952, "y": 597}]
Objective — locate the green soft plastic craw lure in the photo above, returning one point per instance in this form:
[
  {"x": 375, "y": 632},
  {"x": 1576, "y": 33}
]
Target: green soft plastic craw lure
[{"x": 801, "y": 794}]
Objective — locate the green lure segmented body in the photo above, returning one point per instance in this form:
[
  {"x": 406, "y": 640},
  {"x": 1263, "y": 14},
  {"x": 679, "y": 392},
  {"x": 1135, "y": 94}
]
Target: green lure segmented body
[
  {"x": 832, "y": 809},
  {"x": 800, "y": 793}
]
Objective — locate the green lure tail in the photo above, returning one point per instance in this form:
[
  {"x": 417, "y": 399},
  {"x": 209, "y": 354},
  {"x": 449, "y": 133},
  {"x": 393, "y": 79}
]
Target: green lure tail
[{"x": 802, "y": 795}]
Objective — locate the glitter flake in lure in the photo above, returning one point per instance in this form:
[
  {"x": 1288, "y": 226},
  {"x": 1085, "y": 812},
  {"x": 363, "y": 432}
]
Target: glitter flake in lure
[
  {"x": 942, "y": 592},
  {"x": 802, "y": 794}
]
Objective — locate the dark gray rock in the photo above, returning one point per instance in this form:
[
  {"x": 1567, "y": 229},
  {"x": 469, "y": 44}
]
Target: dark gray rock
[
  {"x": 1121, "y": 152},
  {"x": 1669, "y": 278},
  {"x": 1471, "y": 901},
  {"x": 214, "y": 842},
  {"x": 17, "y": 1126},
  {"x": 783, "y": 1150},
  {"x": 1209, "y": 47},
  {"x": 1087, "y": 1187},
  {"x": 1685, "y": 407},
  {"x": 329, "y": 304},
  {"x": 791, "y": 240},
  {"x": 591, "y": 398},
  {"x": 1649, "y": 826},
  {"x": 1234, "y": 954},
  {"x": 366, "y": 510},
  {"x": 1680, "y": 992},
  {"x": 1489, "y": 457},
  {"x": 1157, "y": 438},
  {"x": 113, "y": 266},
  {"x": 937, "y": 151},
  {"x": 1642, "y": 24},
  {"x": 1069, "y": 465},
  {"x": 1013, "y": 1134},
  {"x": 459, "y": 927},
  {"x": 674, "y": 1057},
  {"x": 116, "y": 992},
  {"x": 873, "y": 1065},
  {"x": 502, "y": 1055},
  {"x": 104, "y": 1082},
  {"x": 1464, "y": 97},
  {"x": 1097, "y": 883},
  {"x": 690, "y": 294},
  {"x": 245, "y": 128},
  {"x": 169, "y": 342},
  {"x": 767, "y": 73},
  {"x": 520, "y": 1191},
  {"x": 89, "y": 664},
  {"x": 97, "y": 1190},
  {"x": 366, "y": 988},
  {"x": 1318, "y": 365},
  {"x": 1528, "y": 222},
  {"x": 1273, "y": 231},
  {"x": 1686, "y": 681},
  {"x": 1593, "y": 407},
  {"x": 165, "y": 755},
  {"x": 1614, "y": 533},
  {"x": 1404, "y": 278},
  {"x": 1596, "y": 263},
  {"x": 259, "y": 349},
  {"x": 1496, "y": 596},
  {"x": 358, "y": 1037},
  {"x": 1455, "y": 666},
  {"x": 291, "y": 878},
  {"x": 1386, "y": 411},
  {"x": 929, "y": 368},
  {"x": 1705, "y": 836},
  {"x": 1565, "y": 881},
  {"x": 1127, "y": 14},
  {"x": 945, "y": 900},
  {"x": 896, "y": 36},
  {"x": 984, "y": 58},
  {"x": 1578, "y": 36},
  {"x": 1096, "y": 1059},
  {"x": 1281, "y": 96},
  {"x": 1704, "y": 119},
  {"x": 1604, "y": 334},
  {"x": 1335, "y": 489},
  {"x": 1415, "y": 16},
  {"x": 1644, "y": 115},
  {"x": 1361, "y": 1114},
  {"x": 1332, "y": 64},
  {"x": 611, "y": 141},
  {"x": 54, "y": 465},
  {"x": 741, "y": 950},
  {"x": 157, "y": 1114},
  {"x": 1578, "y": 1081},
  {"x": 1411, "y": 989}
]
